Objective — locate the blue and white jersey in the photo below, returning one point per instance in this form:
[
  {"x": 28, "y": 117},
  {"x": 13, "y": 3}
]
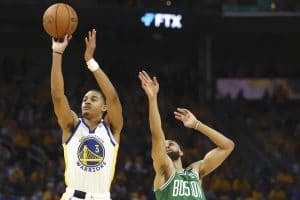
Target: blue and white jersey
[{"x": 90, "y": 158}]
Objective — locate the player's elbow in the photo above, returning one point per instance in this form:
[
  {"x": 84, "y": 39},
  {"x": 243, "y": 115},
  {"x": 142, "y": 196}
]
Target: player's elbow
[
  {"x": 230, "y": 145},
  {"x": 57, "y": 96}
]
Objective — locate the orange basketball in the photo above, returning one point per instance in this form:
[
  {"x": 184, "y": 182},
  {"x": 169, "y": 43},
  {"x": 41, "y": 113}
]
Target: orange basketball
[{"x": 59, "y": 20}]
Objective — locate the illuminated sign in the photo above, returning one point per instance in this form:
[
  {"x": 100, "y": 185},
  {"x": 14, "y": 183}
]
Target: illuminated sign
[{"x": 162, "y": 19}]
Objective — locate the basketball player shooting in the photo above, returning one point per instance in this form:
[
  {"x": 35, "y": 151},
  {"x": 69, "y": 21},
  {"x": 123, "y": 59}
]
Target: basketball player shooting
[
  {"x": 90, "y": 143},
  {"x": 171, "y": 180}
]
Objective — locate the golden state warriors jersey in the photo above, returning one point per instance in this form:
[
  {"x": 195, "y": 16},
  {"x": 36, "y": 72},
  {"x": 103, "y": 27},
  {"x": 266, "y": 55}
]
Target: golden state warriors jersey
[{"x": 90, "y": 158}]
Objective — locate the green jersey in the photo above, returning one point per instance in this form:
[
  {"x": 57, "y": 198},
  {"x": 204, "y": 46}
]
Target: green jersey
[{"x": 184, "y": 185}]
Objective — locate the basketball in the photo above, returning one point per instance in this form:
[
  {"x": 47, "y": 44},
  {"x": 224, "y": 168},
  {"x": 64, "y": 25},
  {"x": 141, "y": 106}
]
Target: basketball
[{"x": 59, "y": 20}]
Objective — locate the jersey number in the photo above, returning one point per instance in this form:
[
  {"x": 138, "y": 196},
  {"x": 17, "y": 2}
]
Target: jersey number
[{"x": 97, "y": 148}]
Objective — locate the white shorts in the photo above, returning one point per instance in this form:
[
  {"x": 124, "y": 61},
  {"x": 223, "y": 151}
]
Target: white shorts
[{"x": 69, "y": 195}]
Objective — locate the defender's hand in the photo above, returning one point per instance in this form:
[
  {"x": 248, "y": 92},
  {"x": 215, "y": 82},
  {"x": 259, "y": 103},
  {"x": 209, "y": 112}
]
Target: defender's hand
[
  {"x": 150, "y": 86},
  {"x": 90, "y": 43},
  {"x": 188, "y": 119}
]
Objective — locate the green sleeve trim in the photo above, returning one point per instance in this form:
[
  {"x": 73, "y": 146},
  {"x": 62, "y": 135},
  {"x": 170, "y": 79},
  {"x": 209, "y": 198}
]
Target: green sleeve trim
[{"x": 197, "y": 174}]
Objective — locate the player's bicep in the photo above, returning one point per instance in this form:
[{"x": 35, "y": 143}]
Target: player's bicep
[
  {"x": 115, "y": 115},
  {"x": 161, "y": 161},
  {"x": 63, "y": 112}
]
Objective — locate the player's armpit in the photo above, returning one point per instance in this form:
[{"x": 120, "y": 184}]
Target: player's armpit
[{"x": 163, "y": 167}]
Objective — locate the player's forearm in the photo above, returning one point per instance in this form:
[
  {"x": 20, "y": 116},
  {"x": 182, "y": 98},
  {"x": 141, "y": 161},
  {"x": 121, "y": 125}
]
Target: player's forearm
[
  {"x": 158, "y": 137},
  {"x": 106, "y": 85},
  {"x": 155, "y": 120},
  {"x": 57, "y": 81},
  {"x": 216, "y": 137}
]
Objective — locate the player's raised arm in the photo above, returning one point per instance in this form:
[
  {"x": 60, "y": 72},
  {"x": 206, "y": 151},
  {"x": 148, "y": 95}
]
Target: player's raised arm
[
  {"x": 216, "y": 156},
  {"x": 66, "y": 117},
  {"x": 162, "y": 163},
  {"x": 114, "y": 111}
]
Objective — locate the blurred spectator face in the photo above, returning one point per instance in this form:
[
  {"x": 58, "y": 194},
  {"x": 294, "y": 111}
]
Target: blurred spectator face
[
  {"x": 16, "y": 176},
  {"x": 173, "y": 150},
  {"x": 134, "y": 196},
  {"x": 5, "y": 154},
  {"x": 93, "y": 104},
  {"x": 137, "y": 196}
]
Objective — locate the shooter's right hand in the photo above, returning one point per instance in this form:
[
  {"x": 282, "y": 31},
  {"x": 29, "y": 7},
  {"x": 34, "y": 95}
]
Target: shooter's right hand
[{"x": 60, "y": 46}]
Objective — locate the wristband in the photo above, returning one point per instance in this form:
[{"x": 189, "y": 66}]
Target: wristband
[
  {"x": 197, "y": 124},
  {"x": 57, "y": 52},
  {"x": 92, "y": 65}
]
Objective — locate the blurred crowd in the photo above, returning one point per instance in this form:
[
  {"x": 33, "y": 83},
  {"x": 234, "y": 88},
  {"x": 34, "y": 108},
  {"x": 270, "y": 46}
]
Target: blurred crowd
[
  {"x": 264, "y": 165},
  {"x": 261, "y": 5},
  {"x": 190, "y": 4},
  {"x": 203, "y": 5},
  {"x": 266, "y": 132}
]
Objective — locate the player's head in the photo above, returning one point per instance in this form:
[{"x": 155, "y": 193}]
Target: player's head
[
  {"x": 173, "y": 150},
  {"x": 93, "y": 104}
]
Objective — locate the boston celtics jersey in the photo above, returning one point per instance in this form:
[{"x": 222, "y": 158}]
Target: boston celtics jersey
[
  {"x": 184, "y": 185},
  {"x": 90, "y": 158}
]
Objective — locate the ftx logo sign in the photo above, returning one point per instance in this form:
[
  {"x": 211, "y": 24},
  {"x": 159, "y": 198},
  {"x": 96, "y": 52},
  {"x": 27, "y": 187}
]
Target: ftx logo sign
[{"x": 162, "y": 19}]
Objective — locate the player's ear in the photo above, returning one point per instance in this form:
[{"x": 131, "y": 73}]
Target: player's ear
[
  {"x": 104, "y": 108},
  {"x": 180, "y": 152}
]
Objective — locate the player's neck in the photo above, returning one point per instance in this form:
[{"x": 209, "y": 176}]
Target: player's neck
[
  {"x": 92, "y": 123},
  {"x": 178, "y": 165}
]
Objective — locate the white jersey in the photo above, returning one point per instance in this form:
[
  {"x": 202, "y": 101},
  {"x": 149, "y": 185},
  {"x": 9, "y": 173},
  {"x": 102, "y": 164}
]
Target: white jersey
[{"x": 90, "y": 158}]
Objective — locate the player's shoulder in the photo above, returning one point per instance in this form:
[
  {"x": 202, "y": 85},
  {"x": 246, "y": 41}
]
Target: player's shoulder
[{"x": 196, "y": 165}]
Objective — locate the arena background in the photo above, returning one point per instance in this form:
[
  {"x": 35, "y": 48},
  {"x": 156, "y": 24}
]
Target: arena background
[{"x": 235, "y": 63}]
